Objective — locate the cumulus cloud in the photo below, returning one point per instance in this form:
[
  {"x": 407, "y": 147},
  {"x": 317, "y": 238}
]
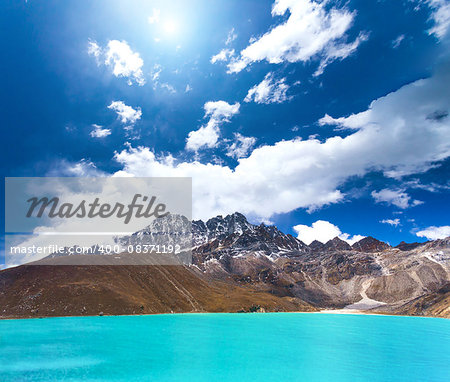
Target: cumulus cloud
[
  {"x": 407, "y": 135},
  {"x": 394, "y": 136},
  {"x": 223, "y": 55},
  {"x": 207, "y": 136},
  {"x": 311, "y": 31},
  {"x": 98, "y": 132},
  {"x": 398, "y": 198},
  {"x": 125, "y": 62},
  {"x": 241, "y": 146},
  {"x": 268, "y": 91},
  {"x": 118, "y": 56},
  {"x": 434, "y": 233},
  {"x": 221, "y": 110},
  {"x": 126, "y": 113},
  {"x": 323, "y": 231},
  {"x": 393, "y": 222}
]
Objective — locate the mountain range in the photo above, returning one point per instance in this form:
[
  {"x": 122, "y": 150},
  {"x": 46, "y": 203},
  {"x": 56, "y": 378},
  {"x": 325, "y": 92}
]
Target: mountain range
[{"x": 238, "y": 266}]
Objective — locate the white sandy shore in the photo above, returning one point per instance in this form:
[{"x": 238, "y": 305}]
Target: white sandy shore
[{"x": 344, "y": 311}]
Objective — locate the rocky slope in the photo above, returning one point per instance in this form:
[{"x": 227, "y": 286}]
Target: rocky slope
[
  {"x": 71, "y": 290},
  {"x": 366, "y": 276},
  {"x": 240, "y": 266},
  {"x": 436, "y": 304}
]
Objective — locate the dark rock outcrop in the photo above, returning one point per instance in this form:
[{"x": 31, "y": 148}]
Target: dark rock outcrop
[
  {"x": 316, "y": 245},
  {"x": 403, "y": 246},
  {"x": 337, "y": 244},
  {"x": 370, "y": 244}
]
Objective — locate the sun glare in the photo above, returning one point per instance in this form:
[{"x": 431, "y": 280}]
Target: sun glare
[{"x": 170, "y": 27}]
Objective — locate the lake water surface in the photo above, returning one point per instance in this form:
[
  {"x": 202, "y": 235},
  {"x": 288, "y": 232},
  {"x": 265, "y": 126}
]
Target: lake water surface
[{"x": 226, "y": 347}]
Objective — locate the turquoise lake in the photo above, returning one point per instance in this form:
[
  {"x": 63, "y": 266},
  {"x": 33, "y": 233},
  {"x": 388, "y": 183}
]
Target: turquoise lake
[{"x": 226, "y": 347}]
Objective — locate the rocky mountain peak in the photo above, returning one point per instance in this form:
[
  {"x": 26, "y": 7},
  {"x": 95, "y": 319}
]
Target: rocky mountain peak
[
  {"x": 370, "y": 244},
  {"x": 439, "y": 243},
  {"x": 233, "y": 234},
  {"x": 170, "y": 229},
  {"x": 219, "y": 227},
  {"x": 337, "y": 244},
  {"x": 403, "y": 246},
  {"x": 316, "y": 245}
]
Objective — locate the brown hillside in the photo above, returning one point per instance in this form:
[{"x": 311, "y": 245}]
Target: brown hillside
[{"x": 65, "y": 290}]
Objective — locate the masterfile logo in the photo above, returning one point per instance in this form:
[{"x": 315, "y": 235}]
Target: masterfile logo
[
  {"x": 55, "y": 209},
  {"x": 131, "y": 220}
]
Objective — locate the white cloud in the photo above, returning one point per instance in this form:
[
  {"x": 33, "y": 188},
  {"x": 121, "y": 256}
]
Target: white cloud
[
  {"x": 323, "y": 231},
  {"x": 155, "y": 76},
  {"x": 354, "y": 121},
  {"x": 396, "y": 136},
  {"x": 393, "y": 222},
  {"x": 121, "y": 59},
  {"x": 268, "y": 91},
  {"x": 310, "y": 31},
  {"x": 221, "y": 110},
  {"x": 125, "y": 62},
  {"x": 241, "y": 146},
  {"x": 430, "y": 187},
  {"x": 188, "y": 88},
  {"x": 434, "y": 233},
  {"x": 397, "y": 41},
  {"x": 156, "y": 72},
  {"x": 131, "y": 132},
  {"x": 94, "y": 50},
  {"x": 409, "y": 127},
  {"x": 168, "y": 87},
  {"x": 154, "y": 18},
  {"x": 223, "y": 55},
  {"x": 84, "y": 167},
  {"x": 339, "y": 52},
  {"x": 351, "y": 239},
  {"x": 207, "y": 136},
  {"x": 398, "y": 198},
  {"x": 70, "y": 128},
  {"x": 440, "y": 15},
  {"x": 231, "y": 37},
  {"x": 98, "y": 132},
  {"x": 125, "y": 113}
]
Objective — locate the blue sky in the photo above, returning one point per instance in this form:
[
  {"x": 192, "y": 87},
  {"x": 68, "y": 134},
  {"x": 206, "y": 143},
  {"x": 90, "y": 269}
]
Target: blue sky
[{"x": 291, "y": 111}]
